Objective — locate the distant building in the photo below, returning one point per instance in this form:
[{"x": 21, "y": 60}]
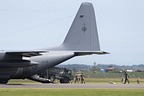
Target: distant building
[
  {"x": 110, "y": 68},
  {"x": 102, "y": 70},
  {"x": 130, "y": 70}
]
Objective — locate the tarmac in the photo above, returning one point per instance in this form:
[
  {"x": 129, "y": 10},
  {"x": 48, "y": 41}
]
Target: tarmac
[{"x": 81, "y": 86}]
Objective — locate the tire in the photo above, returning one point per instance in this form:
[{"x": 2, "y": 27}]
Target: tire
[
  {"x": 65, "y": 80},
  {"x": 3, "y": 81}
]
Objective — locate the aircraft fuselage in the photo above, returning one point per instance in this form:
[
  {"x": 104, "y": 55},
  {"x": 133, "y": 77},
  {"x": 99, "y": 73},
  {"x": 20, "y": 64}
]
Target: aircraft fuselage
[{"x": 47, "y": 60}]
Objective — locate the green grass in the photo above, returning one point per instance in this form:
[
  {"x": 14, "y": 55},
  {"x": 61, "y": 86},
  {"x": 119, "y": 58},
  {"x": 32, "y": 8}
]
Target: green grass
[
  {"x": 96, "y": 78},
  {"x": 87, "y": 80},
  {"x": 71, "y": 92},
  {"x": 113, "y": 75},
  {"x": 107, "y": 80}
]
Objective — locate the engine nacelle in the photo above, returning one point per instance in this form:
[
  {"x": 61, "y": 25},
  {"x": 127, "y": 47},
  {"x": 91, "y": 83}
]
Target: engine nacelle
[{"x": 2, "y": 54}]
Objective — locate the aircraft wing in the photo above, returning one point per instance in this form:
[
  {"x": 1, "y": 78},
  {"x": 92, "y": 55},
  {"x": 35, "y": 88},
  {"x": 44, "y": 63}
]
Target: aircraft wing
[{"x": 17, "y": 55}]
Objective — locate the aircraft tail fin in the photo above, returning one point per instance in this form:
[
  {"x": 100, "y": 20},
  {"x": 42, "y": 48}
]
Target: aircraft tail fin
[
  {"x": 82, "y": 37},
  {"x": 83, "y": 33}
]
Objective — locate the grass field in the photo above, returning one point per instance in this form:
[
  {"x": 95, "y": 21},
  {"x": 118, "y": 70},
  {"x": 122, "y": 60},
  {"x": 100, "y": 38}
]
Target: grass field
[
  {"x": 107, "y": 80},
  {"x": 71, "y": 92},
  {"x": 93, "y": 78},
  {"x": 88, "y": 80},
  {"x": 98, "y": 78}
]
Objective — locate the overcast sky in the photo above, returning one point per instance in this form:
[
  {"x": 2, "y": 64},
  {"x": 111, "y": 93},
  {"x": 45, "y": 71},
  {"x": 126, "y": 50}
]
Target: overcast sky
[{"x": 35, "y": 24}]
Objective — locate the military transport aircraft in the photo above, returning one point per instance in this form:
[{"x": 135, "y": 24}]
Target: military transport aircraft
[{"x": 82, "y": 39}]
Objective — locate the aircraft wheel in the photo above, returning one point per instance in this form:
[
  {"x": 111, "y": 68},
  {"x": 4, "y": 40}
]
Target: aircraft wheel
[
  {"x": 65, "y": 80},
  {"x": 3, "y": 81}
]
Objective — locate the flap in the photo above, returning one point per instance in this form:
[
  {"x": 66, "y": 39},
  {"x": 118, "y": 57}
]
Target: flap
[{"x": 17, "y": 55}]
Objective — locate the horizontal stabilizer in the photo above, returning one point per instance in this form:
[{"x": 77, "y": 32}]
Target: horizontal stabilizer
[{"x": 89, "y": 53}]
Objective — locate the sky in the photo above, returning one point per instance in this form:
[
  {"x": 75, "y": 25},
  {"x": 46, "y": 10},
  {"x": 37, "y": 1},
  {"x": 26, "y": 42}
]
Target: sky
[{"x": 36, "y": 24}]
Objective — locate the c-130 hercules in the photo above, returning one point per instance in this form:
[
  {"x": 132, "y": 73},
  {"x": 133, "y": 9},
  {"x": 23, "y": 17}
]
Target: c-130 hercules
[{"x": 82, "y": 39}]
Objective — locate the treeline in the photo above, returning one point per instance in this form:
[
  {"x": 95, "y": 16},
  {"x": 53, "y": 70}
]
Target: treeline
[{"x": 99, "y": 67}]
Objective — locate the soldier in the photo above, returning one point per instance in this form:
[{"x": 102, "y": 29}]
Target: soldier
[
  {"x": 76, "y": 78},
  {"x": 138, "y": 80},
  {"x": 126, "y": 78},
  {"x": 122, "y": 79},
  {"x": 82, "y": 79},
  {"x": 79, "y": 77}
]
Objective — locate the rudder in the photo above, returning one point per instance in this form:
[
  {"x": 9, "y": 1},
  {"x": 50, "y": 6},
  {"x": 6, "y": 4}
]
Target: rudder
[{"x": 83, "y": 35}]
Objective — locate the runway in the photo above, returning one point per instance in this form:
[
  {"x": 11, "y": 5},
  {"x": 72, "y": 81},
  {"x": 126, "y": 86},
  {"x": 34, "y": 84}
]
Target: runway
[{"x": 96, "y": 86}]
